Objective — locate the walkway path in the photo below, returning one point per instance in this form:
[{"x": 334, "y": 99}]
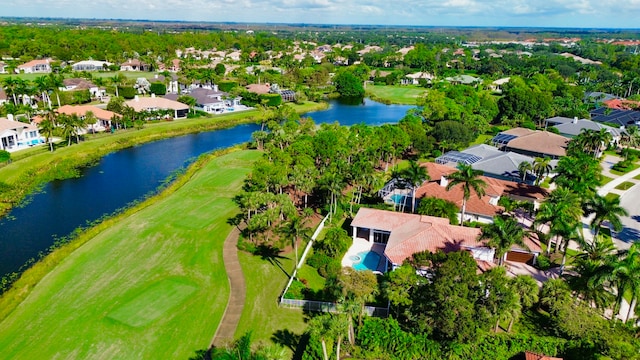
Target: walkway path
[{"x": 233, "y": 312}]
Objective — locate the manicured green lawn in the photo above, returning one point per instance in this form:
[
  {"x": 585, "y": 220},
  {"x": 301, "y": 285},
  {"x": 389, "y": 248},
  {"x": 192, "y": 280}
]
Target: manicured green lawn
[
  {"x": 395, "y": 94},
  {"x": 604, "y": 180},
  {"x": 633, "y": 167},
  {"x": 625, "y": 185},
  {"x": 266, "y": 279},
  {"x": 151, "y": 286},
  {"x": 611, "y": 196}
]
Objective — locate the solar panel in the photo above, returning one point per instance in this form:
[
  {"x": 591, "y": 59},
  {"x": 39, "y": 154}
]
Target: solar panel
[{"x": 503, "y": 139}]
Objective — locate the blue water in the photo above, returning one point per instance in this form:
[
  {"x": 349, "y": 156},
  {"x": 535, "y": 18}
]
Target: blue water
[
  {"x": 370, "y": 261},
  {"x": 127, "y": 175},
  {"x": 398, "y": 198}
]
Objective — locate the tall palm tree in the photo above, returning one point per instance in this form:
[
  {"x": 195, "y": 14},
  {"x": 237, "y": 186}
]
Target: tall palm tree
[
  {"x": 293, "y": 229},
  {"x": 626, "y": 277},
  {"x": 605, "y": 209},
  {"x": 503, "y": 233},
  {"x": 541, "y": 168},
  {"x": 414, "y": 176},
  {"x": 631, "y": 138},
  {"x": 470, "y": 180},
  {"x": 562, "y": 211},
  {"x": 10, "y": 84},
  {"x": 524, "y": 168},
  {"x": 46, "y": 127}
]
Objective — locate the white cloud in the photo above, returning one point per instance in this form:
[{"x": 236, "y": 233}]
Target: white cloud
[{"x": 583, "y": 13}]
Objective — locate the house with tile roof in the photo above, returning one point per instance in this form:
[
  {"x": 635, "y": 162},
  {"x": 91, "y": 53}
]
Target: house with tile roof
[
  {"x": 103, "y": 117},
  {"x": 490, "y": 160},
  {"x": 571, "y": 128},
  {"x": 16, "y": 135},
  {"x": 210, "y": 100},
  {"x": 481, "y": 209},
  {"x": 154, "y": 103},
  {"x": 75, "y": 84},
  {"x": 34, "y": 66},
  {"x": 91, "y": 65},
  {"x": 400, "y": 235},
  {"x": 534, "y": 143},
  {"x": 134, "y": 65}
]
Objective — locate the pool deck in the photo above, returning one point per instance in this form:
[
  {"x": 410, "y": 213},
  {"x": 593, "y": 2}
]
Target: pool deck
[{"x": 362, "y": 245}]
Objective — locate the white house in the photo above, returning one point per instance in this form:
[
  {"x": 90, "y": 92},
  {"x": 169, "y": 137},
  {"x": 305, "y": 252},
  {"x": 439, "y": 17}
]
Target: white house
[
  {"x": 35, "y": 66},
  {"x": 90, "y": 65},
  {"x": 15, "y": 135}
]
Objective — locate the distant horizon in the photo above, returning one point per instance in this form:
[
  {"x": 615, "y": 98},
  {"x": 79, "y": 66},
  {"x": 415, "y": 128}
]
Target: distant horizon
[
  {"x": 311, "y": 24},
  {"x": 561, "y": 14}
]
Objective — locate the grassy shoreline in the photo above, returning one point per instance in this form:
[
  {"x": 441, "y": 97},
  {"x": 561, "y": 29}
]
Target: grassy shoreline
[
  {"x": 35, "y": 167},
  {"x": 109, "y": 285}
]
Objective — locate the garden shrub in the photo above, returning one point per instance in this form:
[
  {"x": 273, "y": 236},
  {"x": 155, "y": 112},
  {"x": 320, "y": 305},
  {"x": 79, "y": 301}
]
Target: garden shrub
[
  {"x": 271, "y": 99},
  {"x": 127, "y": 92},
  {"x": 5, "y": 156},
  {"x": 227, "y": 85},
  {"x": 158, "y": 88},
  {"x": 296, "y": 291}
]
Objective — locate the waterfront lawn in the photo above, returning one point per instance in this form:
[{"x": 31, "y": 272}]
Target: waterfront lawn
[
  {"x": 152, "y": 285},
  {"x": 395, "y": 94}
]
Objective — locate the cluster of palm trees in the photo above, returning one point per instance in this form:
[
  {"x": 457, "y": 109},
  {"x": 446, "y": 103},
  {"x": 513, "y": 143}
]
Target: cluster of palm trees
[
  {"x": 21, "y": 91},
  {"x": 540, "y": 168},
  {"x": 70, "y": 126}
]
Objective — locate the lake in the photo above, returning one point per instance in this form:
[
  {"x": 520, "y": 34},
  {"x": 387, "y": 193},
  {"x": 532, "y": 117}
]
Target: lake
[{"x": 129, "y": 174}]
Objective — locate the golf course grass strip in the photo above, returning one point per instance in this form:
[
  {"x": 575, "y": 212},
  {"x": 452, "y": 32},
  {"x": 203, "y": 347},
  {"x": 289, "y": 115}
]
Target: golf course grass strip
[{"x": 92, "y": 304}]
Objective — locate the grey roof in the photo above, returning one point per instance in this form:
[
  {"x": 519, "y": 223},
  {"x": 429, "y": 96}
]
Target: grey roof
[
  {"x": 597, "y": 96},
  {"x": 558, "y": 120},
  {"x": 574, "y": 129},
  {"x": 202, "y": 96},
  {"x": 505, "y": 164}
]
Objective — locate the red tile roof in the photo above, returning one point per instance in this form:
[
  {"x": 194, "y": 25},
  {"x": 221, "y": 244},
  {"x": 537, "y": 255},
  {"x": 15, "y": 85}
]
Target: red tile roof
[
  {"x": 542, "y": 142},
  {"x": 528, "y": 355},
  {"x": 82, "y": 110},
  {"x": 621, "y": 104},
  {"x": 412, "y": 233},
  {"x": 475, "y": 205}
]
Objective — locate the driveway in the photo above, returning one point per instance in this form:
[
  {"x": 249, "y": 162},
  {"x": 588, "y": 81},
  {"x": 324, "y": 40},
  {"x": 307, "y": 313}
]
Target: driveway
[{"x": 629, "y": 199}]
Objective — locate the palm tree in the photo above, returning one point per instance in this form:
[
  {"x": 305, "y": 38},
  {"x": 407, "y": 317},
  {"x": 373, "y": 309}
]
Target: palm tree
[
  {"x": 293, "y": 229},
  {"x": 470, "y": 180},
  {"x": 46, "y": 127},
  {"x": 10, "y": 84},
  {"x": 626, "y": 277},
  {"x": 414, "y": 176},
  {"x": 541, "y": 167},
  {"x": 524, "y": 168},
  {"x": 605, "y": 209},
  {"x": 631, "y": 138},
  {"x": 503, "y": 233},
  {"x": 562, "y": 211}
]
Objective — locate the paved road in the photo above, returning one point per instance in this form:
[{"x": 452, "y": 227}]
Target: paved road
[{"x": 630, "y": 200}]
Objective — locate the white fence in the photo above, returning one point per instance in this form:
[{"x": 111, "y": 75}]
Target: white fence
[
  {"x": 322, "y": 306},
  {"x": 304, "y": 256}
]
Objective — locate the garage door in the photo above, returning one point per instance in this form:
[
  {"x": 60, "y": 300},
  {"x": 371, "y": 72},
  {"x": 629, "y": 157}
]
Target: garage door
[{"x": 519, "y": 257}]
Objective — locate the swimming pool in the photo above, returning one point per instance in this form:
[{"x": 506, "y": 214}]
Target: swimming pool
[
  {"x": 366, "y": 260},
  {"x": 398, "y": 198}
]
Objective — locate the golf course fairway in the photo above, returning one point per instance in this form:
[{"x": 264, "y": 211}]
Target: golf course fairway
[{"x": 151, "y": 286}]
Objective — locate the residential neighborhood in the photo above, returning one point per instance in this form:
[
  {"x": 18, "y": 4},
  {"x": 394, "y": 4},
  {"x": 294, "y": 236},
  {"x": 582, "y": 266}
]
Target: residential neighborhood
[{"x": 334, "y": 192}]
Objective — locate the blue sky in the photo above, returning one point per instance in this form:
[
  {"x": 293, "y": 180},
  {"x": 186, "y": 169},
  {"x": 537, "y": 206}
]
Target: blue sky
[{"x": 552, "y": 13}]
